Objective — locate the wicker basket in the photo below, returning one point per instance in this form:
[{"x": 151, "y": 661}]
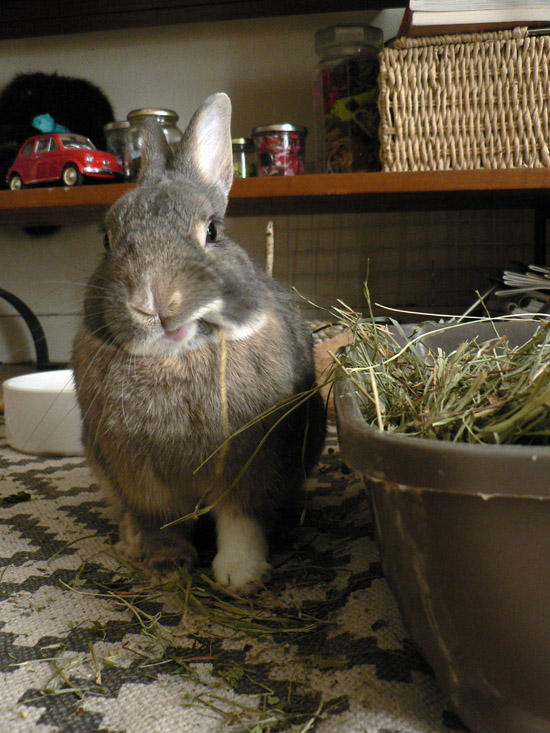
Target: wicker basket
[{"x": 465, "y": 101}]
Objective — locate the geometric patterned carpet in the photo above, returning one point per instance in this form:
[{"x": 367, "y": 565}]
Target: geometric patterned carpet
[{"x": 86, "y": 645}]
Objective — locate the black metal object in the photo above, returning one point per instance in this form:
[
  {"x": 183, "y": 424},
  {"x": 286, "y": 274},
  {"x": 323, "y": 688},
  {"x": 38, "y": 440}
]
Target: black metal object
[{"x": 37, "y": 332}]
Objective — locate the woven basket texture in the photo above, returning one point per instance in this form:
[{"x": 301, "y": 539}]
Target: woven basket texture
[{"x": 465, "y": 101}]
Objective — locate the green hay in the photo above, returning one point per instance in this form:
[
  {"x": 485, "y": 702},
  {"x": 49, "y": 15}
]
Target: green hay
[{"x": 482, "y": 392}]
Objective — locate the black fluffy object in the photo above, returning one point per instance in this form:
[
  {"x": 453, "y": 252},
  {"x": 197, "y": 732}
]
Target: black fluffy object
[{"x": 74, "y": 103}]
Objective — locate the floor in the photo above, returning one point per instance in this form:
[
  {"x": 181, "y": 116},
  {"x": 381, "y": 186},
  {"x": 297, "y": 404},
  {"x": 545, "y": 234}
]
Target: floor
[{"x": 86, "y": 643}]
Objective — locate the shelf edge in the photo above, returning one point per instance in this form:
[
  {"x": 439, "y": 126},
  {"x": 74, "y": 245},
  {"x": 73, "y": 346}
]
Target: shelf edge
[{"x": 309, "y": 194}]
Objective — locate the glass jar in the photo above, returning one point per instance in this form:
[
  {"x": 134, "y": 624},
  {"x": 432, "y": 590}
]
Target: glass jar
[
  {"x": 346, "y": 98},
  {"x": 244, "y": 165},
  {"x": 166, "y": 118},
  {"x": 118, "y": 143},
  {"x": 280, "y": 149}
]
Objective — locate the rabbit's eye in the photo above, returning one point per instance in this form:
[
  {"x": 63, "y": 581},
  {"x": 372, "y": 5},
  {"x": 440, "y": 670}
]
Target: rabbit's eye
[
  {"x": 211, "y": 233},
  {"x": 106, "y": 242}
]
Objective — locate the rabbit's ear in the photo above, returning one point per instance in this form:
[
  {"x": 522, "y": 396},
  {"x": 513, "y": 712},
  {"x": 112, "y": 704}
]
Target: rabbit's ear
[
  {"x": 155, "y": 152},
  {"x": 205, "y": 149}
]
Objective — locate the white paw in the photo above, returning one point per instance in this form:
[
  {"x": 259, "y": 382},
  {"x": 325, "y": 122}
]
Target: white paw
[
  {"x": 241, "y": 563},
  {"x": 240, "y": 573}
]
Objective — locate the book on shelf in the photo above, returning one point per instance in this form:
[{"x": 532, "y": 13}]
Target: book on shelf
[
  {"x": 447, "y": 6},
  {"x": 442, "y": 17}
]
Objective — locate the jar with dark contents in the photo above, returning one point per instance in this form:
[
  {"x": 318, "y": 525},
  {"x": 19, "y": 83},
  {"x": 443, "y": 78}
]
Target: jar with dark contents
[
  {"x": 244, "y": 164},
  {"x": 280, "y": 149},
  {"x": 166, "y": 118},
  {"x": 346, "y": 98}
]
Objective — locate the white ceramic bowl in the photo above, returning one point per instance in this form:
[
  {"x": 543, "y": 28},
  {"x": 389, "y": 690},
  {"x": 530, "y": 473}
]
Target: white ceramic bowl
[{"x": 42, "y": 414}]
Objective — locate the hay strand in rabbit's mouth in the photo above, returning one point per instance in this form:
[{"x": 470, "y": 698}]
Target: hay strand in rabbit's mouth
[{"x": 224, "y": 415}]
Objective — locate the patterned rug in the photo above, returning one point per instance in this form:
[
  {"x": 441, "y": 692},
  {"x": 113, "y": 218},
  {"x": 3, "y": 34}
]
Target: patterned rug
[{"x": 85, "y": 645}]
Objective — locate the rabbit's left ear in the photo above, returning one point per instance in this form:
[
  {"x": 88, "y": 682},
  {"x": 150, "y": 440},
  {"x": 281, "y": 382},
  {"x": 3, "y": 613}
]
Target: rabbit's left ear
[
  {"x": 155, "y": 152},
  {"x": 205, "y": 150}
]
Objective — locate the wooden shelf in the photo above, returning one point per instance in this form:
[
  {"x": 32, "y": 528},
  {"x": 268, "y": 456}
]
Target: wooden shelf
[
  {"x": 392, "y": 191},
  {"x": 27, "y": 18},
  {"x": 311, "y": 194}
]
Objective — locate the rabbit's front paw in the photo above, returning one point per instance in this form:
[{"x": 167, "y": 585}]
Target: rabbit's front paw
[
  {"x": 163, "y": 552},
  {"x": 164, "y": 563},
  {"x": 241, "y": 563},
  {"x": 240, "y": 573}
]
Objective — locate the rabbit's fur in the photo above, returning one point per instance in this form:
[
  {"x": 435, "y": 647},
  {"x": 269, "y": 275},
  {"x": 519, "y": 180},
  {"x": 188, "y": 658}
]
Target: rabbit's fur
[{"x": 147, "y": 363}]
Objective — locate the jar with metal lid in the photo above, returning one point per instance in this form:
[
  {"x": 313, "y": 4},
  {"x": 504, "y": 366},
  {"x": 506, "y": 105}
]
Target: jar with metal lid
[
  {"x": 346, "y": 98},
  {"x": 118, "y": 143},
  {"x": 244, "y": 164},
  {"x": 166, "y": 118},
  {"x": 280, "y": 149}
]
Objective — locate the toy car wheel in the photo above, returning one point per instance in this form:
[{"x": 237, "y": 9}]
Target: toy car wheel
[
  {"x": 16, "y": 182},
  {"x": 71, "y": 176}
]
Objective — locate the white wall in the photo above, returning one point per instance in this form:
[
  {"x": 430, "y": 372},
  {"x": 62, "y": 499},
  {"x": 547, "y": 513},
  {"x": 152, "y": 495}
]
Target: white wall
[{"x": 266, "y": 66}]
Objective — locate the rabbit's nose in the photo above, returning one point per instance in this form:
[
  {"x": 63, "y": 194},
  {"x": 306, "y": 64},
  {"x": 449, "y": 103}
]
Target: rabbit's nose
[
  {"x": 170, "y": 304},
  {"x": 142, "y": 302},
  {"x": 166, "y": 322},
  {"x": 157, "y": 302},
  {"x": 143, "y": 312},
  {"x": 169, "y": 308}
]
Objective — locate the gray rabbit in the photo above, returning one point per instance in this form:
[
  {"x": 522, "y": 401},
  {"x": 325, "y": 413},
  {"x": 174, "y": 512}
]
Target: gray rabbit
[{"x": 174, "y": 308}]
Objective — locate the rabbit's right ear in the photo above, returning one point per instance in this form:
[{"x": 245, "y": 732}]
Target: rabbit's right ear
[
  {"x": 156, "y": 154},
  {"x": 205, "y": 150}
]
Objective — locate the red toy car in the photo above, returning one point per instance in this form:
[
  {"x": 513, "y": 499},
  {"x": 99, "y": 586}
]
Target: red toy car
[{"x": 60, "y": 156}]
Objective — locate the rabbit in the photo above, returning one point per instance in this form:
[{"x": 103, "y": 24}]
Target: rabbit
[{"x": 172, "y": 297}]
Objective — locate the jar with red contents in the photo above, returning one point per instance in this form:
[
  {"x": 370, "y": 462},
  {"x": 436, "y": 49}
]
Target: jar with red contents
[
  {"x": 346, "y": 98},
  {"x": 280, "y": 149}
]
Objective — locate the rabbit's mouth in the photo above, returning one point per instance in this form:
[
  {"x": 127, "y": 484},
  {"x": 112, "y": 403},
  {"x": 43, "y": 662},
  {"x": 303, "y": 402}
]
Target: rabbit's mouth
[
  {"x": 178, "y": 334},
  {"x": 187, "y": 336},
  {"x": 199, "y": 327}
]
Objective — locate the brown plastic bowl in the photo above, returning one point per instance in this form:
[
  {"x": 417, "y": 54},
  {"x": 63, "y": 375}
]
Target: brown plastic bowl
[{"x": 464, "y": 535}]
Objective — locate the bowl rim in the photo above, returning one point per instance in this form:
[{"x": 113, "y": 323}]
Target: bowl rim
[{"x": 23, "y": 382}]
